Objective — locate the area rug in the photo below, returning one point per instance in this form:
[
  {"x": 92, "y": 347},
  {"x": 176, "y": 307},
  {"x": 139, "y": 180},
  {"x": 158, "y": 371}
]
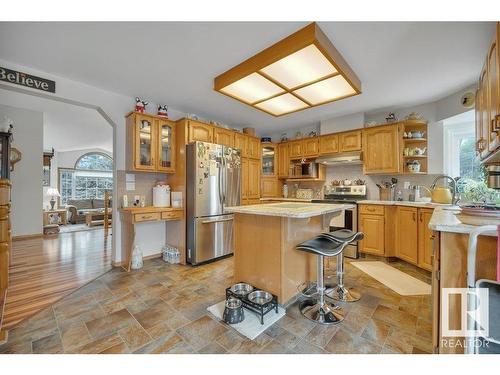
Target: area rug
[
  {"x": 250, "y": 326},
  {"x": 393, "y": 278}
]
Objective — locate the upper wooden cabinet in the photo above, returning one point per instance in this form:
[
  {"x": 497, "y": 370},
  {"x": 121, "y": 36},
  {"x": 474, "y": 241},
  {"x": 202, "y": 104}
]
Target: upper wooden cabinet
[
  {"x": 350, "y": 141},
  {"x": 295, "y": 149},
  {"x": 166, "y": 146},
  {"x": 198, "y": 131},
  {"x": 269, "y": 160},
  {"x": 283, "y": 161},
  {"x": 329, "y": 144},
  {"x": 240, "y": 142},
  {"x": 381, "y": 151},
  {"x": 224, "y": 137},
  {"x": 407, "y": 234},
  {"x": 253, "y": 178},
  {"x": 253, "y": 147},
  {"x": 310, "y": 147},
  {"x": 150, "y": 143},
  {"x": 488, "y": 102}
]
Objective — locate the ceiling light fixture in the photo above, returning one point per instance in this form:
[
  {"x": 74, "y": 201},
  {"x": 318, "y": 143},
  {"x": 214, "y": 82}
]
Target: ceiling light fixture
[{"x": 303, "y": 70}]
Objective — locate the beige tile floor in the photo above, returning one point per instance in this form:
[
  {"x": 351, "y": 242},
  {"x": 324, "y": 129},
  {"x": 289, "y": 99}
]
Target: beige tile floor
[{"x": 162, "y": 309}]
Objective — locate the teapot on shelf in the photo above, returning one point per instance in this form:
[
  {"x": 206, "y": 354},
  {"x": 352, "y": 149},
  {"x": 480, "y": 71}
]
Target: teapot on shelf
[{"x": 419, "y": 151}]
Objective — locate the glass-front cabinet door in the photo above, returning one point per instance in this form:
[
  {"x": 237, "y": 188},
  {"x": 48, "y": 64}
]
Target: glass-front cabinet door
[
  {"x": 269, "y": 159},
  {"x": 144, "y": 143},
  {"x": 166, "y": 146}
]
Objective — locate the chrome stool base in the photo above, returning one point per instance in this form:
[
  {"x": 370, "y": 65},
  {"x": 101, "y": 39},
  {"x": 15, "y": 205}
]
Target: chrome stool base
[
  {"x": 343, "y": 294},
  {"x": 325, "y": 313}
]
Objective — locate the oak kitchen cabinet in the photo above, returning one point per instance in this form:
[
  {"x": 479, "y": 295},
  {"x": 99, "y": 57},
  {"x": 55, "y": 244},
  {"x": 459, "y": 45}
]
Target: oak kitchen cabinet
[
  {"x": 328, "y": 144},
  {"x": 295, "y": 149},
  {"x": 250, "y": 180},
  {"x": 151, "y": 141},
  {"x": 399, "y": 231},
  {"x": 425, "y": 239},
  {"x": 350, "y": 141},
  {"x": 407, "y": 234},
  {"x": 253, "y": 147},
  {"x": 487, "y": 104},
  {"x": 283, "y": 161},
  {"x": 371, "y": 222},
  {"x": 224, "y": 137},
  {"x": 310, "y": 147},
  {"x": 199, "y": 131},
  {"x": 381, "y": 149},
  {"x": 240, "y": 142},
  {"x": 269, "y": 187}
]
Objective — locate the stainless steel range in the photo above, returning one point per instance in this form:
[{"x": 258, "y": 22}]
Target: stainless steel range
[{"x": 349, "y": 218}]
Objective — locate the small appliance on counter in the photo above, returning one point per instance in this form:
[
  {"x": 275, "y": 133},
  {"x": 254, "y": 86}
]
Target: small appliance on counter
[
  {"x": 161, "y": 195},
  {"x": 176, "y": 197}
]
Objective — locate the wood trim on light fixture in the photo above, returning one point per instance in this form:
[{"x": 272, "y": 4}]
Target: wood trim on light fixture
[{"x": 309, "y": 35}]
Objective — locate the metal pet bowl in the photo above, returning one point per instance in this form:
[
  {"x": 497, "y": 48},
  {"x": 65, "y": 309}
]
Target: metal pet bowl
[
  {"x": 241, "y": 289},
  {"x": 260, "y": 297}
]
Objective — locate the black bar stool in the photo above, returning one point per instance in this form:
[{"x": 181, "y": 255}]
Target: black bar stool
[
  {"x": 317, "y": 309},
  {"x": 340, "y": 292}
]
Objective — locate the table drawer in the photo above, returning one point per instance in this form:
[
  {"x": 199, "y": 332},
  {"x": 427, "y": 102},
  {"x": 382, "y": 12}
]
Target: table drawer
[
  {"x": 371, "y": 209},
  {"x": 171, "y": 215},
  {"x": 152, "y": 216}
]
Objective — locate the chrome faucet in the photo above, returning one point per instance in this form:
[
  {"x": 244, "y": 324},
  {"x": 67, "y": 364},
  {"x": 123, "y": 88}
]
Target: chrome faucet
[{"x": 456, "y": 197}]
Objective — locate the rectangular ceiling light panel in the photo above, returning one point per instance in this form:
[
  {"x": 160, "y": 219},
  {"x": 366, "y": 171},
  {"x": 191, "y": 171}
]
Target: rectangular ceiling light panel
[
  {"x": 301, "y": 71},
  {"x": 302, "y": 67},
  {"x": 252, "y": 88},
  {"x": 282, "y": 104},
  {"x": 326, "y": 91}
]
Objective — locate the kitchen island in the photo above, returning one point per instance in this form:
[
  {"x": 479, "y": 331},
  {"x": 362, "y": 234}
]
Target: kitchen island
[
  {"x": 265, "y": 240},
  {"x": 451, "y": 232}
]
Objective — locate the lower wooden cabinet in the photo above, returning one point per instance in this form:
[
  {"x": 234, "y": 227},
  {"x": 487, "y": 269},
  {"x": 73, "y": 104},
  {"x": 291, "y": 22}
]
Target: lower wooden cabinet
[
  {"x": 407, "y": 234},
  {"x": 401, "y": 232},
  {"x": 425, "y": 239},
  {"x": 373, "y": 227}
]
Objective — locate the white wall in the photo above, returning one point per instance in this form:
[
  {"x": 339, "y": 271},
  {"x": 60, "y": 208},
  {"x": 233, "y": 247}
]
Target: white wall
[
  {"x": 338, "y": 124},
  {"x": 26, "y": 179}
]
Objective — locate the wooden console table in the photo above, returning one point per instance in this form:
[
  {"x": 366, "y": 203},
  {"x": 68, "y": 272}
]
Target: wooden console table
[{"x": 131, "y": 216}]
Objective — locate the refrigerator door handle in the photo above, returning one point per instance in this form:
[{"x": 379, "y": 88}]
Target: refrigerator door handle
[
  {"x": 217, "y": 221},
  {"x": 224, "y": 180},
  {"x": 219, "y": 177}
]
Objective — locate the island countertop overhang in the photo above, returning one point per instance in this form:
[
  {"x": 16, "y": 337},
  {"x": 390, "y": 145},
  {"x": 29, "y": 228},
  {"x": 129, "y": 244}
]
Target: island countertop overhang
[{"x": 290, "y": 209}]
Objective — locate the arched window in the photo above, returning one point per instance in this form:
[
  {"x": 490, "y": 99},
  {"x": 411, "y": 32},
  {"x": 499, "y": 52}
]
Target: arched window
[
  {"x": 95, "y": 162},
  {"x": 90, "y": 179}
]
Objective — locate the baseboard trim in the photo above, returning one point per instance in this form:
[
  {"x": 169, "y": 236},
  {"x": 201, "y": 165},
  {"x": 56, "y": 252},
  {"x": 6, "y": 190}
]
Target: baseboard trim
[
  {"x": 121, "y": 264},
  {"x": 26, "y": 236}
]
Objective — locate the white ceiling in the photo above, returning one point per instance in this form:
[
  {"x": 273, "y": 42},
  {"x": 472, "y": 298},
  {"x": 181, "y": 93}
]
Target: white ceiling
[
  {"x": 399, "y": 64},
  {"x": 67, "y": 127}
]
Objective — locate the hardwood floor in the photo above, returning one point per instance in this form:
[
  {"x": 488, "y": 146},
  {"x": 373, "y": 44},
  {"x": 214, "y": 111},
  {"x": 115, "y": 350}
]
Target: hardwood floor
[{"x": 43, "y": 270}]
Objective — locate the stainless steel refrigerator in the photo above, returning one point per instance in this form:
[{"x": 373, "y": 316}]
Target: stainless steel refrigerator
[{"x": 213, "y": 182}]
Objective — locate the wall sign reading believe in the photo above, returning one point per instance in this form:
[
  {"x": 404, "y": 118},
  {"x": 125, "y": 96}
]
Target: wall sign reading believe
[{"x": 27, "y": 80}]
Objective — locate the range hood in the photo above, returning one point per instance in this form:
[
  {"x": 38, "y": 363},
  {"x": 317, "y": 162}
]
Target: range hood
[{"x": 344, "y": 158}]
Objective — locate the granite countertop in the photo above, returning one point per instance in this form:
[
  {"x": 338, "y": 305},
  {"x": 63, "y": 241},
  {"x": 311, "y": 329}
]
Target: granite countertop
[
  {"x": 286, "y": 199},
  {"x": 289, "y": 209},
  {"x": 405, "y": 203},
  {"x": 447, "y": 219}
]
